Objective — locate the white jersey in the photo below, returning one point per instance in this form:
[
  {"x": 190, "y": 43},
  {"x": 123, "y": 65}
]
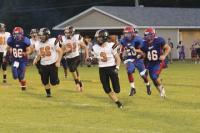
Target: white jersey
[
  {"x": 105, "y": 55},
  {"x": 48, "y": 51},
  {"x": 3, "y": 41},
  {"x": 75, "y": 41},
  {"x": 34, "y": 44}
]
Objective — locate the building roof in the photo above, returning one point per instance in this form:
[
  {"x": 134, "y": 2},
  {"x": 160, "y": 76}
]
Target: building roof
[{"x": 146, "y": 16}]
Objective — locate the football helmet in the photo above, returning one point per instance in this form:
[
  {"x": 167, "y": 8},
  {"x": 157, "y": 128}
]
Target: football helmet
[
  {"x": 101, "y": 36},
  {"x": 33, "y": 33},
  {"x": 18, "y": 33},
  {"x": 2, "y": 27},
  {"x": 149, "y": 34},
  {"x": 69, "y": 31},
  {"x": 129, "y": 32},
  {"x": 44, "y": 34}
]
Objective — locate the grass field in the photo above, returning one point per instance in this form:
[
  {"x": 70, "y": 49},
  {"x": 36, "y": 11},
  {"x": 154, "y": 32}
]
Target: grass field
[{"x": 92, "y": 111}]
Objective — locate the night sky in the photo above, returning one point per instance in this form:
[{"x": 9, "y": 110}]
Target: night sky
[{"x": 48, "y": 13}]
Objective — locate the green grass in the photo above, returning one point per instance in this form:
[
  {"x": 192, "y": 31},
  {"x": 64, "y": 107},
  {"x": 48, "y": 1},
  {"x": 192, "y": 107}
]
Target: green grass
[{"x": 92, "y": 111}]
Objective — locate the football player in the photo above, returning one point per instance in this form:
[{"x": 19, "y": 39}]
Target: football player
[
  {"x": 156, "y": 51},
  {"x": 3, "y": 49},
  {"x": 132, "y": 57},
  {"x": 109, "y": 63},
  {"x": 71, "y": 45},
  {"x": 49, "y": 55},
  {"x": 34, "y": 46},
  {"x": 19, "y": 46},
  {"x": 60, "y": 39}
]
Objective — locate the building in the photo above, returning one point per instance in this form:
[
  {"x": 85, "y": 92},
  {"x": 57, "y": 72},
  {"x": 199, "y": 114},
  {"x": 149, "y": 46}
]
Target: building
[{"x": 180, "y": 24}]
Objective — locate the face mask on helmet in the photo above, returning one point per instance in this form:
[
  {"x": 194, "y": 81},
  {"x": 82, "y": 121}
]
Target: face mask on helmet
[
  {"x": 44, "y": 34},
  {"x": 101, "y": 36},
  {"x": 128, "y": 36},
  {"x": 69, "y": 31},
  {"x": 18, "y": 33},
  {"x": 34, "y": 33},
  {"x": 149, "y": 35},
  {"x": 129, "y": 32}
]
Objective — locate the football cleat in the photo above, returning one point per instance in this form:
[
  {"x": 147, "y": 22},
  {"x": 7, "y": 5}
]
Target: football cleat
[
  {"x": 132, "y": 92},
  {"x": 48, "y": 95},
  {"x": 162, "y": 93},
  {"x": 4, "y": 81},
  {"x": 148, "y": 89},
  {"x": 23, "y": 88},
  {"x": 119, "y": 105}
]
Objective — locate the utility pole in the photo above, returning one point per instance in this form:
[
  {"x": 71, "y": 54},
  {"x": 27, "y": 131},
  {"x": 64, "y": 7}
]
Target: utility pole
[{"x": 137, "y": 3}]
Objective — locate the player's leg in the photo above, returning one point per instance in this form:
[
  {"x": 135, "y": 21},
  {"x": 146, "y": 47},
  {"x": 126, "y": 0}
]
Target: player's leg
[
  {"x": 1, "y": 62},
  {"x": 144, "y": 74},
  {"x": 14, "y": 72},
  {"x": 116, "y": 86},
  {"x": 130, "y": 67},
  {"x": 54, "y": 80},
  {"x": 4, "y": 67},
  {"x": 104, "y": 78},
  {"x": 64, "y": 64},
  {"x": 21, "y": 75},
  {"x": 154, "y": 73},
  {"x": 45, "y": 75},
  {"x": 198, "y": 55},
  {"x": 73, "y": 64},
  {"x": 38, "y": 66}
]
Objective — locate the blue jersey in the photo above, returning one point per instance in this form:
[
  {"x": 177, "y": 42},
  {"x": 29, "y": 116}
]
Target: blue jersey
[
  {"x": 130, "y": 46},
  {"x": 18, "y": 48},
  {"x": 154, "y": 50}
]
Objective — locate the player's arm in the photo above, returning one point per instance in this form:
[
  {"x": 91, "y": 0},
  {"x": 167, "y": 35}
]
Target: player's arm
[
  {"x": 28, "y": 50},
  {"x": 118, "y": 62},
  {"x": 32, "y": 48},
  {"x": 82, "y": 45},
  {"x": 140, "y": 53},
  {"x": 117, "y": 57},
  {"x": 166, "y": 49},
  {"x": 60, "y": 54}
]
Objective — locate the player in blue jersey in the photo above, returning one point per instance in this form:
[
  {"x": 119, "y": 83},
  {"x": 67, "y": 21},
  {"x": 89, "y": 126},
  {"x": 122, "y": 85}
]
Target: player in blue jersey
[
  {"x": 156, "y": 51},
  {"x": 132, "y": 57},
  {"x": 19, "y": 47}
]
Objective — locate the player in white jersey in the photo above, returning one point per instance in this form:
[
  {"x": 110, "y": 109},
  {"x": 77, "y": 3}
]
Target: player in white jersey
[
  {"x": 109, "y": 62},
  {"x": 3, "y": 49},
  {"x": 49, "y": 55},
  {"x": 34, "y": 46},
  {"x": 60, "y": 39},
  {"x": 34, "y": 39},
  {"x": 71, "y": 44}
]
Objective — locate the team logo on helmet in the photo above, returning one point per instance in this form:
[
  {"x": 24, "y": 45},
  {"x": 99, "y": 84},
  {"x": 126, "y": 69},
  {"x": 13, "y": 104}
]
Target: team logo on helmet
[
  {"x": 18, "y": 33},
  {"x": 149, "y": 34}
]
